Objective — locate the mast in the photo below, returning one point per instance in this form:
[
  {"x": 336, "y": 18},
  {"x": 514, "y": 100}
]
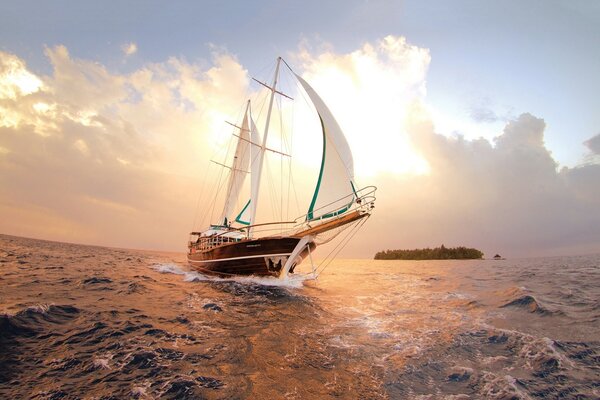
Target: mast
[{"x": 261, "y": 155}]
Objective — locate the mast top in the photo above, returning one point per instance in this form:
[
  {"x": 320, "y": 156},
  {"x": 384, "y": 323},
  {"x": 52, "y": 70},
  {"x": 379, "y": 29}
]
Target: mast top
[{"x": 273, "y": 88}]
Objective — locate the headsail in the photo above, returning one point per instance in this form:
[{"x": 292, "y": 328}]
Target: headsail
[
  {"x": 239, "y": 169},
  {"x": 336, "y": 175}
]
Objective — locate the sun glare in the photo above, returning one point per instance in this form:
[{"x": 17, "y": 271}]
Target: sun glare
[
  {"x": 15, "y": 80},
  {"x": 371, "y": 104}
]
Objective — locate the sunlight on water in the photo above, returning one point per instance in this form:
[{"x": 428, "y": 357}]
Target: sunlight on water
[{"x": 79, "y": 321}]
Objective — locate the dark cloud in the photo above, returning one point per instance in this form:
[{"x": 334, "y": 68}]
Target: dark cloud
[
  {"x": 483, "y": 114},
  {"x": 593, "y": 144}
]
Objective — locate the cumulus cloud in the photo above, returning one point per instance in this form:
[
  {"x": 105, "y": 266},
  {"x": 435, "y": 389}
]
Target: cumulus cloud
[
  {"x": 129, "y": 48},
  {"x": 15, "y": 80},
  {"x": 504, "y": 197},
  {"x": 93, "y": 156}
]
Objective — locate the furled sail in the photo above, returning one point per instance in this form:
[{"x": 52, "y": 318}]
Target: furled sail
[
  {"x": 334, "y": 191},
  {"x": 239, "y": 170}
]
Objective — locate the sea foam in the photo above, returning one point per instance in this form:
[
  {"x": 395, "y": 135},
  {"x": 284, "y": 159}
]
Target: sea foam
[{"x": 293, "y": 282}]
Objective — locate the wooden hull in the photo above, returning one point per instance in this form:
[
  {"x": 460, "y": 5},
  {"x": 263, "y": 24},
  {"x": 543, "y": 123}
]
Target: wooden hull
[{"x": 262, "y": 257}]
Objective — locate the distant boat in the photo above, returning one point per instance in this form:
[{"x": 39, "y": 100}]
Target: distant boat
[
  {"x": 237, "y": 243},
  {"x": 499, "y": 257}
]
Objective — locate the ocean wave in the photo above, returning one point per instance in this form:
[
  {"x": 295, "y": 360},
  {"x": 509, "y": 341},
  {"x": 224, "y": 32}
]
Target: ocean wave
[
  {"x": 532, "y": 305},
  {"x": 31, "y": 320},
  {"x": 135, "y": 287},
  {"x": 94, "y": 280}
]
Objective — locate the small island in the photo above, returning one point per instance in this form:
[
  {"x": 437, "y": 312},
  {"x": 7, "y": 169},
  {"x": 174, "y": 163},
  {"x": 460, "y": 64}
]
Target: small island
[{"x": 439, "y": 253}]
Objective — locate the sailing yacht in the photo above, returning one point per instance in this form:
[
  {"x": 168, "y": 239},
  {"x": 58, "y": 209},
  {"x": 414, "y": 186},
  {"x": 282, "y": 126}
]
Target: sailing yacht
[{"x": 239, "y": 243}]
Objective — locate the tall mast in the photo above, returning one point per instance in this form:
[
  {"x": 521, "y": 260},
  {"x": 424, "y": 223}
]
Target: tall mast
[{"x": 261, "y": 156}]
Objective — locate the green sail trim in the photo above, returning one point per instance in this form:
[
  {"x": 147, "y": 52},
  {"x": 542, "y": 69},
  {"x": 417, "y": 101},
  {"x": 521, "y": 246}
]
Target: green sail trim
[
  {"x": 310, "y": 214},
  {"x": 237, "y": 219}
]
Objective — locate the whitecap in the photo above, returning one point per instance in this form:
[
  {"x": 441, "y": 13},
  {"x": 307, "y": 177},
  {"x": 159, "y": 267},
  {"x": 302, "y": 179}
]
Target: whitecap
[
  {"x": 101, "y": 363},
  {"x": 294, "y": 282},
  {"x": 138, "y": 391}
]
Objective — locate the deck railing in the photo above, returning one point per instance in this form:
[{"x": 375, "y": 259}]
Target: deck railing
[{"x": 362, "y": 200}]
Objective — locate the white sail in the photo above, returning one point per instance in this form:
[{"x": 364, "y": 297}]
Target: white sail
[
  {"x": 246, "y": 214},
  {"x": 258, "y": 160},
  {"x": 238, "y": 171},
  {"x": 335, "y": 184}
]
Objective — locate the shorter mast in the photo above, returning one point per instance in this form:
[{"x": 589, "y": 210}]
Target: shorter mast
[{"x": 261, "y": 155}]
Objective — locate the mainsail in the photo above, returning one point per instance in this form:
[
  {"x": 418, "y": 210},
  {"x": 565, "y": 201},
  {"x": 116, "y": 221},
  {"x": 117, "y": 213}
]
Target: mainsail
[
  {"x": 335, "y": 190},
  {"x": 239, "y": 169},
  {"x": 246, "y": 214}
]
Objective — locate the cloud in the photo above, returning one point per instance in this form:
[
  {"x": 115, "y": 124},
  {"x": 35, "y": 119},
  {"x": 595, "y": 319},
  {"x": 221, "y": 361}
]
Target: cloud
[
  {"x": 501, "y": 195},
  {"x": 88, "y": 155},
  {"x": 593, "y": 144},
  {"x": 483, "y": 114},
  {"x": 485, "y": 111},
  {"x": 371, "y": 90},
  {"x": 15, "y": 80},
  {"x": 129, "y": 48},
  {"x": 506, "y": 197}
]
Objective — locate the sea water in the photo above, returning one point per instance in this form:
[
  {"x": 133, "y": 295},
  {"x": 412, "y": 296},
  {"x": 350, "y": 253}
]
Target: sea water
[{"x": 91, "y": 322}]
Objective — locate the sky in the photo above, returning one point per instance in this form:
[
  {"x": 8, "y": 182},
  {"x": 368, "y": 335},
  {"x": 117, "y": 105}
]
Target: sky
[{"x": 477, "y": 120}]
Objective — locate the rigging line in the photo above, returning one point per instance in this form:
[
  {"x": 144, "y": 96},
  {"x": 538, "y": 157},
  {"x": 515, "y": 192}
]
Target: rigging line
[
  {"x": 214, "y": 201},
  {"x": 289, "y": 176},
  {"x": 200, "y": 195},
  {"x": 339, "y": 247},
  {"x": 263, "y": 94},
  {"x": 272, "y": 184},
  {"x": 204, "y": 192},
  {"x": 342, "y": 244},
  {"x": 291, "y": 181},
  {"x": 287, "y": 65},
  {"x": 214, "y": 183},
  {"x": 221, "y": 179},
  {"x": 266, "y": 70},
  {"x": 272, "y": 189},
  {"x": 258, "y": 145},
  {"x": 269, "y": 87},
  {"x": 349, "y": 236},
  {"x": 280, "y": 107},
  {"x": 209, "y": 183}
]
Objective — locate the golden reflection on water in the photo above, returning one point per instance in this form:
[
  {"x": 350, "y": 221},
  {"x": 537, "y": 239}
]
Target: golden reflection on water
[{"x": 88, "y": 321}]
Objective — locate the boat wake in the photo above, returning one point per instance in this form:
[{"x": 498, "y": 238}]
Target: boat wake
[{"x": 291, "y": 282}]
